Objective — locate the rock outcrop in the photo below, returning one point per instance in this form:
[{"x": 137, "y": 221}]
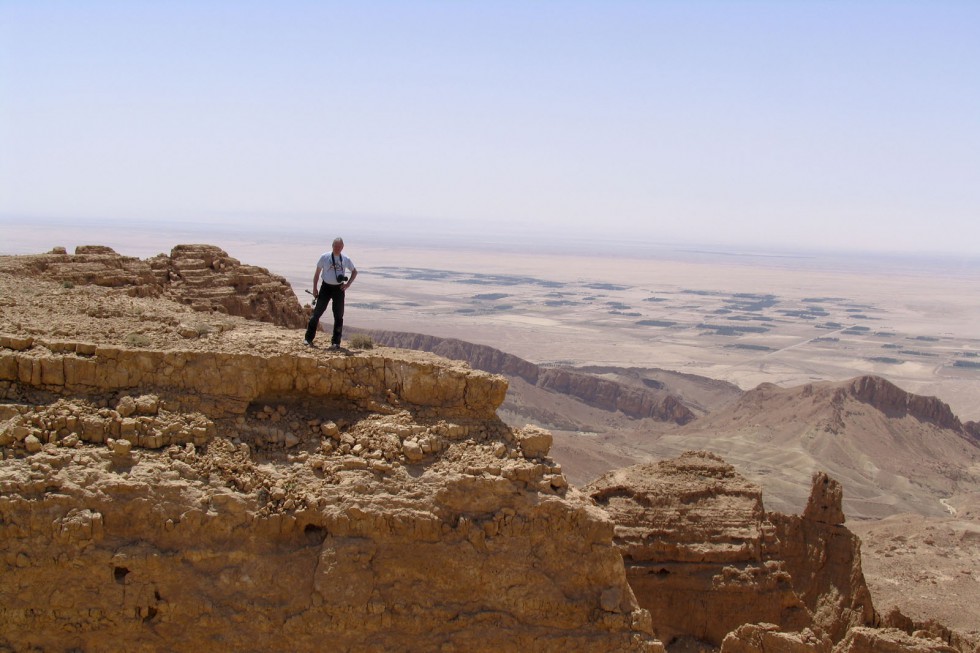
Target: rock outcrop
[
  {"x": 892, "y": 400},
  {"x": 932, "y": 630},
  {"x": 825, "y": 503},
  {"x": 768, "y": 638},
  {"x": 890, "y": 640},
  {"x": 704, "y": 557},
  {"x": 224, "y": 384},
  {"x": 480, "y": 357},
  {"x": 234, "y": 489},
  {"x": 591, "y": 389},
  {"x": 203, "y": 277},
  {"x": 823, "y": 559}
]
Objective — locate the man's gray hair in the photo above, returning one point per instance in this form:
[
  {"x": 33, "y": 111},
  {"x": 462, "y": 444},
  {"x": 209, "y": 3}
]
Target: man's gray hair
[{"x": 338, "y": 239}]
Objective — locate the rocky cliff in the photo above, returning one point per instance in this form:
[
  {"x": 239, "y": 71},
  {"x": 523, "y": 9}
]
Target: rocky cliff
[
  {"x": 704, "y": 557},
  {"x": 181, "y": 480},
  {"x": 203, "y": 277},
  {"x": 893, "y": 401},
  {"x": 591, "y": 389},
  {"x": 174, "y": 477},
  {"x": 481, "y": 357}
]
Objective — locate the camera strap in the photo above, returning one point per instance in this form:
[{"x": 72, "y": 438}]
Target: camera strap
[{"x": 337, "y": 273}]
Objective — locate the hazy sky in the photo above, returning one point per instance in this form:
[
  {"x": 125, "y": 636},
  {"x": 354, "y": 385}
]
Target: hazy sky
[{"x": 809, "y": 124}]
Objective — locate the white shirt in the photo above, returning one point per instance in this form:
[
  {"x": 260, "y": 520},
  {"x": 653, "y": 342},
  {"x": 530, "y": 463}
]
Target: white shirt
[{"x": 331, "y": 267}]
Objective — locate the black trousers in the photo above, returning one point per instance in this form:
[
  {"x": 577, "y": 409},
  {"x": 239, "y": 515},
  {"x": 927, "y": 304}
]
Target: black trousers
[{"x": 328, "y": 293}]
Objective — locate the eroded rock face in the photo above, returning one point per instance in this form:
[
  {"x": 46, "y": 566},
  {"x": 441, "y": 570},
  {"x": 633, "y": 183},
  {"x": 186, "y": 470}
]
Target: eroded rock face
[
  {"x": 825, "y": 503},
  {"x": 890, "y": 640},
  {"x": 588, "y": 388},
  {"x": 207, "y": 279},
  {"x": 767, "y": 638},
  {"x": 693, "y": 533},
  {"x": 704, "y": 557},
  {"x": 614, "y": 396},
  {"x": 225, "y": 383},
  {"x": 170, "y": 551},
  {"x": 165, "y": 493},
  {"x": 203, "y": 277},
  {"x": 481, "y": 357},
  {"x": 891, "y": 399},
  {"x": 281, "y": 527}
]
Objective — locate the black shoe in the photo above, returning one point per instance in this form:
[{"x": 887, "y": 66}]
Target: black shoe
[
  {"x": 334, "y": 345},
  {"x": 309, "y": 343}
]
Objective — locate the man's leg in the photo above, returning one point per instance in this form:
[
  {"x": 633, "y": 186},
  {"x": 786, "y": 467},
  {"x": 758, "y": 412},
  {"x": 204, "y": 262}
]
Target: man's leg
[
  {"x": 321, "y": 306},
  {"x": 338, "y": 316}
]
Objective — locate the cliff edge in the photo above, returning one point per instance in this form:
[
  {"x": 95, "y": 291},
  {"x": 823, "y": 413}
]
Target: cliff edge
[{"x": 175, "y": 479}]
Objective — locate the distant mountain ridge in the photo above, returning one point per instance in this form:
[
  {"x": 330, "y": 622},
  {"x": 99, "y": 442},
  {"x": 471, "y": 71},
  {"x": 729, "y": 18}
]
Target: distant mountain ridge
[
  {"x": 894, "y": 450},
  {"x": 589, "y": 388},
  {"x": 890, "y": 399}
]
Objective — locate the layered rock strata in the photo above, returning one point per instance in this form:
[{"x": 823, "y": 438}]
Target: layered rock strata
[
  {"x": 704, "y": 557},
  {"x": 234, "y": 490},
  {"x": 588, "y": 388},
  {"x": 203, "y": 277},
  {"x": 224, "y": 384}
]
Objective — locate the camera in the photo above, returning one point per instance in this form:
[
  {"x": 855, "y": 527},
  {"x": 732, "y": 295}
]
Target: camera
[{"x": 341, "y": 278}]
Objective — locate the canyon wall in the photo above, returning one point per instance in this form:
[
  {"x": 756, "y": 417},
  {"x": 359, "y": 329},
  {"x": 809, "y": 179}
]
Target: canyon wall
[
  {"x": 591, "y": 389},
  {"x": 704, "y": 557}
]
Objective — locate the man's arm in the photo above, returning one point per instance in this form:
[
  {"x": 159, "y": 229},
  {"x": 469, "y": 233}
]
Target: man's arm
[
  {"x": 353, "y": 275},
  {"x": 316, "y": 281}
]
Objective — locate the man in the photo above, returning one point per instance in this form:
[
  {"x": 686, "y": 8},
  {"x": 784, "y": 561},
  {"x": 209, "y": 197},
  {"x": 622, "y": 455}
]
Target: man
[{"x": 334, "y": 266}]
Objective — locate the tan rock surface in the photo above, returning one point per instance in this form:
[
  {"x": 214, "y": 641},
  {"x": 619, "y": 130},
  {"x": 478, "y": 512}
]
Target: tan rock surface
[
  {"x": 890, "y": 640},
  {"x": 237, "y": 490},
  {"x": 767, "y": 638},
  {"x": 203, "y": 277},
  {"x": 591, "y": 389},
  {"x": 704, "y": 558}
]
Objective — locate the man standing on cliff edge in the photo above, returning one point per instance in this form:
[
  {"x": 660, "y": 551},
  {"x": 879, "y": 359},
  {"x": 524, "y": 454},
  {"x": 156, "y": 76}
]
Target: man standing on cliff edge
[{"x": 334, "y": 266}]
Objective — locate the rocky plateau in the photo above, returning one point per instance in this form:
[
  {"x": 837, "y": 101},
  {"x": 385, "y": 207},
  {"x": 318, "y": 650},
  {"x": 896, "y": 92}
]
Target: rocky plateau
[{"x": 179, "y": 473}]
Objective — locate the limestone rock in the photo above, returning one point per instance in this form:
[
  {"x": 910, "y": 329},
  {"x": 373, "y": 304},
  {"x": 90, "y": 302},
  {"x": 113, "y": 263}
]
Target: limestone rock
[
  {"x": 200, "y": 276},
  {"x": 826, "y": 497},
  {"x": 170, "y": 493},
  {"x": 589, "y": 388},
  {"x": 889, "y": 640},
  {"x": 121, "y": 447},
  {"x": 535, "y": 442},
  {"x": 891, "y": 399},
  {"x": 767, "y": 638},
  {"x": 126, "y": 406},
  {"x": 704, "y": 557}
]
